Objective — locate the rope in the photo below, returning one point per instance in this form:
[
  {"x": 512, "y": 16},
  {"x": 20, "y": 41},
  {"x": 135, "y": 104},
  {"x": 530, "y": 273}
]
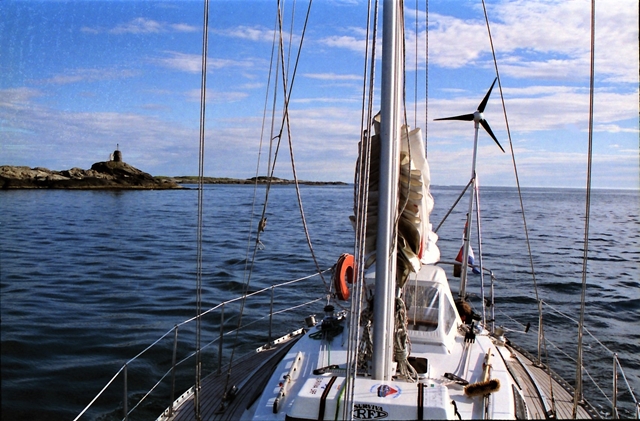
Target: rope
[
  {"x": 454, "y": 205},
  {"x": 515, "y": 169},
  {"x": 513, "y": 157},
  {"x": 365, "y": 348},
  {"x": 401, "y": 343},
  {"x": 426, "y": 78},
  {"x": 293, "y": 163},
  {"x": 578, "y": 394},
  {"x": 285, "y": 121},
  {"x": 415, "y": 87},
  {"x": 355, "y": 358},
  {"x": 203, "y": 90},
  {"x": 248, "y": 269}
]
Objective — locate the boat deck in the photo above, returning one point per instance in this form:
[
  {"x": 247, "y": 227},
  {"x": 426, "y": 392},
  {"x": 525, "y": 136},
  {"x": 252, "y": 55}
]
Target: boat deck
[
  {"x": 545, "y": 396},
  {"x": 244, "y": 371}
]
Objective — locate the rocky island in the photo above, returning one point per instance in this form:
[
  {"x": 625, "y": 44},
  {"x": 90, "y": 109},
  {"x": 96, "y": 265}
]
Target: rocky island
[
  {"x": 113, "y": 174},
  {"x": 102, "y": 175}
]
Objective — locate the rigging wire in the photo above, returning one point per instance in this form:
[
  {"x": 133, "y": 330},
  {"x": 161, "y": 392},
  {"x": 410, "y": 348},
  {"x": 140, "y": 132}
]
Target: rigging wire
[
  {"x": 515, "y": 169},
  {"x": 203, "y": 90},
  {"x": 578, "y": 390},
  {"x": 454, "y": 205},
  {"x": 426, "y": 79},
  {"x": 287, "y": 96},
  {"x": 415, "y": 87},
  {"x": 361, "y": 197},
  {"x": 293, "y": 14},
  {"x": 249, "y": 267},
  {"x": 513, "y": 157},
  {"x": 541, "y": 337},
  {"x": 476, "y": 192},
  {"x": 285, "y": 121}
]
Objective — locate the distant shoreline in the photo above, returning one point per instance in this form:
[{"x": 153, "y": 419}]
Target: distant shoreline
[
  {"x": 187, "y": 179},
  {"x": 117, "y": 175}
]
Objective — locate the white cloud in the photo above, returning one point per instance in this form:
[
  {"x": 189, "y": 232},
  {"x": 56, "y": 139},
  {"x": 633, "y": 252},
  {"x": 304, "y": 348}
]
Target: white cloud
[
  {"x": 139, "y": 26},
  {"x": 43, "y": 136},
  {"x": 330, "y": 100},
  {"x": 142, "y": 26},
  {"x": 89, "y": 75},
  {"x": 254, "y": 85},
  {"x": 331, "y": 76},
  {"x": 540, "y": 108},
  {"x": 15, "y": 98},
  {"x": 537, "y": 39},
  {"x": 183, "y": 27},
  {"x": 217, "y": 96},
  {"x": 613, "y": 128},
  {"x": 255, "y": 33},
  {"x": 192, "y": 63},
  {"x": 345, "y": 41}
]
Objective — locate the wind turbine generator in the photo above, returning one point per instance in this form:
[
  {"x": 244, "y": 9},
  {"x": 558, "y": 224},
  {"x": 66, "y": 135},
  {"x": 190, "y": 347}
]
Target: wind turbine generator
[{"x": 478, "y": 119}]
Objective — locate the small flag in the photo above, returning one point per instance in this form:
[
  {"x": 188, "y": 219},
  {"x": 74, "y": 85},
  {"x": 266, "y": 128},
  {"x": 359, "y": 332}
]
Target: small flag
[{"x": 471, "y": 260}]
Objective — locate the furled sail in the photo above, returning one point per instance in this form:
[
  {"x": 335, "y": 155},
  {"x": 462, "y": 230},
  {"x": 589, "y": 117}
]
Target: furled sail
[{"x": 415, "y": 239}]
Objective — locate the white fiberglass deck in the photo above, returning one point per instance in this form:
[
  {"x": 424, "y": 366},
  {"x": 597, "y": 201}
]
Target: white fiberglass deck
[{"x": 284, "y": 384}]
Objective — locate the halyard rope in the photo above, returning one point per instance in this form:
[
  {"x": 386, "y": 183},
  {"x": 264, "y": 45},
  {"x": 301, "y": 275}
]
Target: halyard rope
[
  {"x": 361, "y": 197},
  {"x": 285, "y": 120}
]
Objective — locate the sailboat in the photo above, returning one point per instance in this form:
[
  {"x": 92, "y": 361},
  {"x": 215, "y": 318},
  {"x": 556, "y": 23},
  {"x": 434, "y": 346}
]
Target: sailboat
[{"x": 396, "y": 341}]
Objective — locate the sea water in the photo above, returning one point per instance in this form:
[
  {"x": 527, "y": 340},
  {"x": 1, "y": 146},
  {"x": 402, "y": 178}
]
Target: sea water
[{"x": 90, "y": 278}]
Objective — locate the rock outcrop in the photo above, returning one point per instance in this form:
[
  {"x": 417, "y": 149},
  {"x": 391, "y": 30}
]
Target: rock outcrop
[{"x": 102, "y": 175}]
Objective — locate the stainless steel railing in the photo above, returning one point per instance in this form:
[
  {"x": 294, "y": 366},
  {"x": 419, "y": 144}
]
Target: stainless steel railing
[
  {"x": 617, "y": 367},
  {"x": 615, "y": 404},
  {"x": 267, "y": 318}
]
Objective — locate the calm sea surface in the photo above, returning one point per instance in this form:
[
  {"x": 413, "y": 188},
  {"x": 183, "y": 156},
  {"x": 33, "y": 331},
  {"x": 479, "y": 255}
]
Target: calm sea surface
[{"x": 90, "y": 278}]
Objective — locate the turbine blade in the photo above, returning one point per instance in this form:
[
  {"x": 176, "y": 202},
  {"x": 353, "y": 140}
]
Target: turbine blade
[
  {"x": 488, "y": 129},
  {"x": 483, "y": 104},
  {"x": 464, "y": 117}
]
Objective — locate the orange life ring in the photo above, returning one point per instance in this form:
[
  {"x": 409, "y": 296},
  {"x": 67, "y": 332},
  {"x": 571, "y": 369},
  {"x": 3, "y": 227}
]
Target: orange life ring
[{"x": 343, "y": 275}]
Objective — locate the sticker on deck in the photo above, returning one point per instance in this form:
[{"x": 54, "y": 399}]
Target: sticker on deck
[
  {"x": 363, "y": 411},
  {"x": 386, "y": 390}
]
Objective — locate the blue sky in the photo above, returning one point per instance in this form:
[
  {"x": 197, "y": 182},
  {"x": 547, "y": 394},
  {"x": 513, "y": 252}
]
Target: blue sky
[{"x": 79, "y": 77}]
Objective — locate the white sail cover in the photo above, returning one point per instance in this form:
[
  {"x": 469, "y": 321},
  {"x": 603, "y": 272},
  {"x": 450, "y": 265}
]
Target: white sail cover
[
  {"x": 419, "y": 240},
  {"x": 416, "y": 240}
]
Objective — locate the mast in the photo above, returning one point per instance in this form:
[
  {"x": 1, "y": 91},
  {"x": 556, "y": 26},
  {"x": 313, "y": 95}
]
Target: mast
[
  {"x": 384, "y": 304},
  {"x": 467, "y": 228}
]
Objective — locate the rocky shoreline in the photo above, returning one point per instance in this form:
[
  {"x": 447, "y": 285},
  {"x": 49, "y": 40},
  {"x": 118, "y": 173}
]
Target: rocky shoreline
[
  {"x": 115, "y": 175},
  {"x": 102, "y": 175},
  {"x": 252, "y": 180}
]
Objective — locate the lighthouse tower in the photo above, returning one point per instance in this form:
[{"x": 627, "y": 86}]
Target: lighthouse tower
[{"x": 117, "y": 155}]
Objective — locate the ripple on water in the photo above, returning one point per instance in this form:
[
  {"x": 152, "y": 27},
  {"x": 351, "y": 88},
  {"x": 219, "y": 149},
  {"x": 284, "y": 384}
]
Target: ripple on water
[{"x": 90, "y": 279}]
